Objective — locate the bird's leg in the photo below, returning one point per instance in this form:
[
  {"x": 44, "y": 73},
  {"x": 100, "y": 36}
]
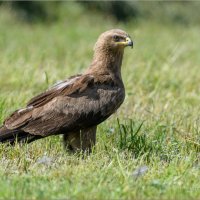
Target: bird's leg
[{"x": 83, "y": 139}]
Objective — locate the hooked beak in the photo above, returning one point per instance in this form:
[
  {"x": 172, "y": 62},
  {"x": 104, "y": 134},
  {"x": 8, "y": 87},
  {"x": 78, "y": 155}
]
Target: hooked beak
[
  {"x": 129, "y": 42},
  {"x": 126, "y": 42}
]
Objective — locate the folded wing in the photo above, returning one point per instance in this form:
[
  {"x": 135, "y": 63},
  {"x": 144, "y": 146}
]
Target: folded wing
[{"x": 79, "y": 102}]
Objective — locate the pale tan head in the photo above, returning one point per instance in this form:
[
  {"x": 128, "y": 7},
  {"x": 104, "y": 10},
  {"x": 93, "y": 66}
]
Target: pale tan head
[{"x": 114, "y": 39}]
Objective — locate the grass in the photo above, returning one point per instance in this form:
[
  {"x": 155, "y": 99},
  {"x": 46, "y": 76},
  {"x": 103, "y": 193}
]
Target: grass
[{"x": 157, "y": 126}]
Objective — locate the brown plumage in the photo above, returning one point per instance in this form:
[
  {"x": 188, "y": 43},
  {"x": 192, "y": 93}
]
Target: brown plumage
[{"x": 77, "y": 105}]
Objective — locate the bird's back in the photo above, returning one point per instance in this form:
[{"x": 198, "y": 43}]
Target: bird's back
[{"x": 87, "y": 101}]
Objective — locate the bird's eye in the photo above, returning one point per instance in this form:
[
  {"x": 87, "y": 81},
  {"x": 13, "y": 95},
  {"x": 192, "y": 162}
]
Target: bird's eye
[{"x": 116, "y": 38}]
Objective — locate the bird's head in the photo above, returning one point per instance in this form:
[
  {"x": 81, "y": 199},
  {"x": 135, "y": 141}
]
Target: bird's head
[{"x": 114, "y": 39}]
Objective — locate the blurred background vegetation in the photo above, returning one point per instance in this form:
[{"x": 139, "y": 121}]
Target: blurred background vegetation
[{"x": 180, "y": 12}]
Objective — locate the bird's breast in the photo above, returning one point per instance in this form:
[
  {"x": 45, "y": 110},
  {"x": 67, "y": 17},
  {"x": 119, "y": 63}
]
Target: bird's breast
[{"x": 110, "y": 100}]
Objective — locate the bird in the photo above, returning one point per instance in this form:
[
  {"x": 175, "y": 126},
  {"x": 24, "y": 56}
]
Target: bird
[{"x": 76, "y": 106}]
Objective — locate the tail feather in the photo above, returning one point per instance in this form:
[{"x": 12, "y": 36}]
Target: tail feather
[{"x": 13, "y": 136}]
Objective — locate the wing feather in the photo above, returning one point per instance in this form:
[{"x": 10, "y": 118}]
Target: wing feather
[
  {"x": 82, "y": 102},
  {"x": 52, "y": 92}
]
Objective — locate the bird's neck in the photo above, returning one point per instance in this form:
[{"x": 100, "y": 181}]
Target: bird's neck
[{"x": 107, "y": 62}]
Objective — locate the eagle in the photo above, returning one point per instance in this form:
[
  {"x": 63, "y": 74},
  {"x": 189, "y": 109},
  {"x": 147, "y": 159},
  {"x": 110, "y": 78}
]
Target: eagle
[{"x": 75, "y": 106}]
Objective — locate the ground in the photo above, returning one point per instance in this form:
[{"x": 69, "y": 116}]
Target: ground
[{"x": 156, "y": 129}]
